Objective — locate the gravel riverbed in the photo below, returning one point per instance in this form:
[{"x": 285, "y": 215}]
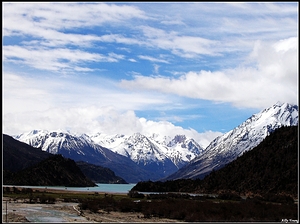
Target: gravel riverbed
[{"x": 18, "y": 211}]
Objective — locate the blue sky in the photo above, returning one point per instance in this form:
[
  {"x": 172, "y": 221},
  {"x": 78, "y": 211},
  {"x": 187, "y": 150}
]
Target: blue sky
[{"x": 199, "y": 69}]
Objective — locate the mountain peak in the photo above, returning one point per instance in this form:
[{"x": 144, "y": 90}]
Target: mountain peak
[{"x": 244, "y": 137}]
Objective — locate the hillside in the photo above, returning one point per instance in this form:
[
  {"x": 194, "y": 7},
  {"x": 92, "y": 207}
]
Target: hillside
[
  {"x": 18, "y": 156},
  {"x": 53, "y": 171},
  {"x": 269, "y": 168},
  {"x": 82, "y": 148},
  {"x": 99, "y": 174},
  {"x": 231, "y": 145}
]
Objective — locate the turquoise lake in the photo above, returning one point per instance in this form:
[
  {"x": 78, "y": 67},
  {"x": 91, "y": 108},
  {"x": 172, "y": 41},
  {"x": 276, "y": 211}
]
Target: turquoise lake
[{"x": 108, "y": 188}]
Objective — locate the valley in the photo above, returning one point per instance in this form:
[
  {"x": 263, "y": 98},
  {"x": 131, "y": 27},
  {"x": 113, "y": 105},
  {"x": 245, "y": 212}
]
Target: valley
[
  {"x": 138, "y": 157},
  {"x": 89, "y": 207},
  {"x": 251, "y": 170}
]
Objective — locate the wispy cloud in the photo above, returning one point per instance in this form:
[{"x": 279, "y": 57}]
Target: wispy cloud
[
  {"x": 86, "y": 65},
  {"x": 71, "y": 91},
  {"x": 91, "y": 120},
  {"x": 152, "y": 59},
  {"x": 273, "y": 77},
  {"x": 54, "y": 59},
  {"x": 64, "y": 16},
  {"x": 182, "y": 45}
]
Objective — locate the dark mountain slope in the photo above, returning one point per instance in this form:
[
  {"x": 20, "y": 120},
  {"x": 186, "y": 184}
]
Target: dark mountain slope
[
  {"x": 18, "y": 155},
  {"x": 53, "y": 171},
  {"x": 270, "y": 167},
  {"x": 82, "y": 148},
  {"x": 229, "y": 146},
  {"x": 99, "y": 174}
]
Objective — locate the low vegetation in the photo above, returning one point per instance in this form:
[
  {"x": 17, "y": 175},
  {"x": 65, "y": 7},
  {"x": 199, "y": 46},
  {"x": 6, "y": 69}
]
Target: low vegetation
[{"x": 183, "y": 207}]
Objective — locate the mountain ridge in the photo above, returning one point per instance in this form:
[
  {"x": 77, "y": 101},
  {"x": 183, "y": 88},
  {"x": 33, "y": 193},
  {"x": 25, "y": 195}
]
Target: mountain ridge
[
  {"x": 82, "y": 148},
  {"x": 18, "y": 156},
  {"x": 138, "y": 157},
  {"x": 234, "y": 143},
  {"x": 269, "y": 169}
]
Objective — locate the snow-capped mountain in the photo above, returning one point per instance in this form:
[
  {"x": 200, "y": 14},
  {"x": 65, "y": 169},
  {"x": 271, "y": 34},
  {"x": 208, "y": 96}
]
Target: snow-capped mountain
[
  {"x": 155, "y": 156},
  {"x": 234, "y": 143},
  {"x": 82, "y": 148},
  {"x": 58, "y": 142},
  {"x": 145, "y": 151}
]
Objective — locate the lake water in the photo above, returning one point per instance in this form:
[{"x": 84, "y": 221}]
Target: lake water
[{"x": 107, "y": 188}]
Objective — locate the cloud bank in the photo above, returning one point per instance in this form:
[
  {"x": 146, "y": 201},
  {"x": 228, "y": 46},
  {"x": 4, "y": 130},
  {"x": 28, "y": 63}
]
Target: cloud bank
[
  {"x": 92, "y": 67},
  {"x": 269, "y": 75},
  {"x": 92, "y": 120}
]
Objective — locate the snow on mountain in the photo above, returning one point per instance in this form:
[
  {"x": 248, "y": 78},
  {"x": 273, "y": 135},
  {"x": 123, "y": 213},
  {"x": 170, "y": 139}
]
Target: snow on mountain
[
  {"x": 138, "y": 157},
  {"x": 54, "y": 141},
  {"x": 156, "y": 155},
  {"x": 234, "y": 143},
  {"x": 82, "y": 148},
  {"x": 151, "y": 149}
]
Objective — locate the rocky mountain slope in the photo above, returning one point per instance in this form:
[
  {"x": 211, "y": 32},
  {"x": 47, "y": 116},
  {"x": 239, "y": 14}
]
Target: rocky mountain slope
[
  {"x": 234, "y": 143},
  {"x": 18, "y": 156},
  {"x": 99, "y": 174},
  {"x": 53, "y": 171},
  {"x": 134, "y": 158},
  {"x": 156, "y": 153},
  {"x": 82, "y": 148},
  {"x": 138, "y": 157},
  {"x": 269, "y": 169}
]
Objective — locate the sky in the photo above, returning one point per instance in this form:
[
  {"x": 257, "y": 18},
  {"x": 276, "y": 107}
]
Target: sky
[{"x": 193, "y": 68}]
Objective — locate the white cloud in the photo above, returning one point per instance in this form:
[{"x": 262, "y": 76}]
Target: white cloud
[
  {"x": 46, "y": 33},
  {"x": 72, "y": 40},
  {"x": 29, "y": 93},
  {"x": 91, "y": 120},
  {"x": 50, "y": 23},
  {"x": 54, "y": 59},
  {"x": 273, "y": 78},
  {"x": 182, "y": 45},
  {"x": 152, "y": 59},
  {"x": 132, "y": 60},
  {"x": 286, "y": 44},
  {"x": 60, "y": 16},
  {"x": 172, "y": 22},
  {"x": 73, "y": 104}
]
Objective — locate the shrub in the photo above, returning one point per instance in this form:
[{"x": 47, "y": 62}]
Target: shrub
[{"x": 135, "y": 194}]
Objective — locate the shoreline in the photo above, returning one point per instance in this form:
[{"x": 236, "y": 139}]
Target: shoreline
[
  {"x": 22, "y": 212},
  {"x": 68, "y": 191}
]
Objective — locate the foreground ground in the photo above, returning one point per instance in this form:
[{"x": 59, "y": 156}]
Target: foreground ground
[
  {"x": 48, "y": 205},
  {"x": 20, "y": 211}
]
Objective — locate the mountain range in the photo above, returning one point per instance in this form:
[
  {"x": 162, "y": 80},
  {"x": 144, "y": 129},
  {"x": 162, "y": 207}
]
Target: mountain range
[
  {"x": 226, "y": 148},
  {"x": 26, "y": 165},
  {"x": 134, "y": 158},
  {"x": 269, "y": 170},
  {"x": 138, "y": 157}
]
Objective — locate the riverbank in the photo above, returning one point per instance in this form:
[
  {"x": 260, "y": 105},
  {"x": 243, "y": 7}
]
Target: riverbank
[
  {"x": 65, "y": 190},
  {"x": 18, "y": 211},
  {"x": 63, "y": 206}
]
